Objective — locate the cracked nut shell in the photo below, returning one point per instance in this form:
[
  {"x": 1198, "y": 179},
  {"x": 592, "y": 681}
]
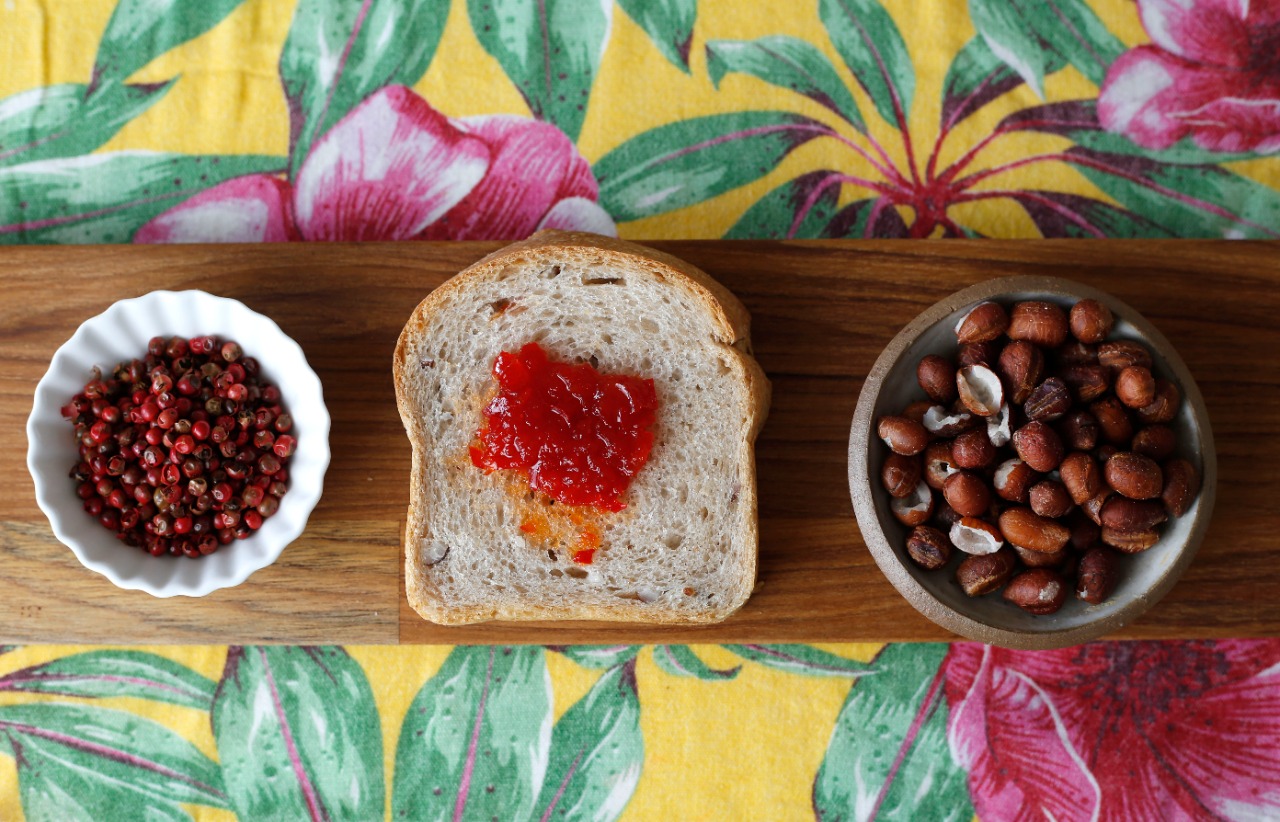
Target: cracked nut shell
[
  {"x": 981, "y": 574},
  {"x": 928, "y": 547}
]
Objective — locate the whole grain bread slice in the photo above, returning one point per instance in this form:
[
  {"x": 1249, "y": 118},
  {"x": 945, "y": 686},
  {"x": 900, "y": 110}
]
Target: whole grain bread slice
[{"x": 684, "y": 548}]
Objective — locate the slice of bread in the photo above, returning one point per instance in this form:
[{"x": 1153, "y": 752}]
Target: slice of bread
[{"x": 684, "y": 547}]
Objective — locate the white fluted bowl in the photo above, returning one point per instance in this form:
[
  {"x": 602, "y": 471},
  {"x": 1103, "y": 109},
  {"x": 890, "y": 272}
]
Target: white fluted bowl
[{"x": 121, "y": 333}]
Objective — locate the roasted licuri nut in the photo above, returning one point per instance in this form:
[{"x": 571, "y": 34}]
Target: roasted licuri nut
[
  {"x": 902, "y": 435},
  {"x": 967, "y": 493},
  {"x": 1050, "y": 499},
  {"x": 980, "y": 390},
  {"x": 1096, "y": 575},
  {"x": 1084, "y": 531},
  {"x": 1130, "y": 542},
  {"x": 937, "y": 464},
  {"x": 1049, "y": 401},
  {"x": 1087, "y": 382},
  {"x": 1022, "y": 526},
  {"x": 1038, "y": 322},
  {"x": 1013, "y": 480},
  {"x": 1155, "y": 441},
  {"x": 915, "y": 508},
  {"x": 900, "y": 474},
  {"x": 1135, "y": 386},
  {"x": 1124, "y": 514},
  {"x": 1074, "y": 352},
  {"x": 1181, "y": 484},
  {"x": 1079, "y": 430},
  {"x": 1039, "y": 559},
  {"x": 928, "y": 547},
  {"x": 937, "y": 376},
  {"x": 943, "y": 422},
  {"x": 976, "y": 536},
  {"x": 1080, "y": 476},
  {"x": 1038, "y": 445},
  {"x": 1165, "y": 405},
  {"x": 1021, "y": 366},
  {"x": 944, "y": 516},
  {"x": 1113, "y": 420},
  {"x": 1133, "y": 475},
  {"x": 1091, "y": 321},
  {"x": 1092, "y": 507},
  {"x": 984, "y": 322},
  {"x": 972, "y": 449},
  {"x": 1039, "y": 591},
  {"x": 981, "y": 574},
  {"x": 1117, "y": 355},
  {"x": 978, "y": 354}
]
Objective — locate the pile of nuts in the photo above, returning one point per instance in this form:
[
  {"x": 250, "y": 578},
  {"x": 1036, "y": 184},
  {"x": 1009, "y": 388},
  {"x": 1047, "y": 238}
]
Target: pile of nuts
[{"x": 1049, "y": 449}]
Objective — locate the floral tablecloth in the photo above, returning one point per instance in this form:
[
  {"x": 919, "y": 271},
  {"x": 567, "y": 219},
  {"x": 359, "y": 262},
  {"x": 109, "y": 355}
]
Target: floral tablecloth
[{"x": 283, "y": 120}]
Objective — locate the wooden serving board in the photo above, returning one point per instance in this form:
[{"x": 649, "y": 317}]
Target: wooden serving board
[{"x": 822, "y": 312}]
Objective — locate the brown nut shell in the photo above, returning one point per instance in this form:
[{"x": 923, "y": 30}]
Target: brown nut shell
[
  {"x": 915, "y": 508},
  {"x": 1079, "y": 430},
  {"x": 1038, "y": 322},
  {"x": 1038, "y": 446},
  {"x": 1023, "y": 527},
  {"x": 981, "y": 574},
  {"x": 1155, "y": 441},
  {"x": 1124, "y": 514},
  {"x": 1113, "y": 420},
  {"x": 1087, "y": 382},
  {"x": 1117, "y": 355},
  {"x": 1135, "y": 386},
  {"x": 1021, "y": 366},
  {"x": 1074, "y": 352},
  {"x": 937, "y": 376},
  {"x": 1130, "y": 542},
  {"x": 1181, "y": 485},
  {"x": 1080, "y": 476},
  {"x": 1134, "y": 476},
  {"x": 916, "y": 410},
  {"x": 1048, "y": 401},
  {"x": 984, "y": 322},
  {"x": 928, "y": 547},
  {"x": 1091, "y": 321},
  {"x": 902, "y": 435},
  {"x": 1097, "y": 575},
  {"x": 985, "y": 353},
  {"x": 1039, "y": 559},
  {"x": 1050, "y": 499},
  {"x": 967, "y": 493},
  {"x": 972, "y": 449},
  {"x": 1092, "y": 507},
  {"x": 1084, "y": 531},
  {"x": 1013, "y": 480},
  {"x": 1165, "y": 405},
  {"x": 1039, "y": 591},
  {"x": 937, "y": 464},
  {"x": 900, "y": 474}
]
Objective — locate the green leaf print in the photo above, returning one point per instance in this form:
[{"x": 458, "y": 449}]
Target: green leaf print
[
  {"x": 139, "y": 31},
  {"x": 690, "y": 161},
  {"x": 475, "y": 742},
  {"x": 109, "y": 764},
  {"x": 105, "y": 198},
  {"x": 1069, "y": 215},
  {"x": 669, "y": 24},
  {"x": 872, "y": 47},
  {"x": 64, "y": 120},
  {"x": 340, "y": 51},
  {"x": 1070, "y": 28},
  {"x": 115, "y": 673},
  {"x": 597, "y": 752},
  {"x": 888, "y": 757},
  {"x": 298, "y": 734},
  {"x": 680, "y": 660},
  {"x": 597, "y": 656},
  {"x": 1009, "y": 38},
  {"x": 551, "y": 50},
  {"x": 976, "y": 77},
  {"x": 800, "y": 659},
  {"x": 863, "y": 219},
  {"x": 797, "y": 209},
  {"x": 786, "y": 62}
]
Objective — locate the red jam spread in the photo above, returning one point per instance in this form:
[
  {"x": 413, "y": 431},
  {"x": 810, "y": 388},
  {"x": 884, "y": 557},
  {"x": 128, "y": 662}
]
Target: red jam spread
[{"x": 577, "y": 435}]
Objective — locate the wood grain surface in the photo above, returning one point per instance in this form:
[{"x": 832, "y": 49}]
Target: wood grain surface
[{"x": 822, "y": 312}]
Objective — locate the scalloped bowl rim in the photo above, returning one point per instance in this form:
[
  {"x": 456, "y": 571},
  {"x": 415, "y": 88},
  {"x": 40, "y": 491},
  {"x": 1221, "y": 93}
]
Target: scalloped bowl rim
[
  {"x": 183, "y": 313},
  {"x": 1004, "y": 624}
]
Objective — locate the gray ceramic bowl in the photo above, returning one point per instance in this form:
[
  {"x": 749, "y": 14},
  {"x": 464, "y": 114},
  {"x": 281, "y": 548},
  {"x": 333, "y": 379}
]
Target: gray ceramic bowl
[{"x": 1145, "y": 578}]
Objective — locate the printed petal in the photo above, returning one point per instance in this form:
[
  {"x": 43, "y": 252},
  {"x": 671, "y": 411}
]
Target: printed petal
[
  {"x": 250, "y": 209},
  {"x": 1156, "y": 99},
  {"x": 386, "y": 171},
  {"x": 1214, "y": 32},
  {"x": 534, "y": 166},
  {"x": 1006, "y": 730},
  {"x": 579, "y": 214}
]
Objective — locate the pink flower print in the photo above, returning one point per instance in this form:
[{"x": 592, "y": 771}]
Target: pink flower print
[
  {"x": 394, "y": 168},
  {"x": 1119, "y": 731},
  {"x": 1211, "y": 74}
]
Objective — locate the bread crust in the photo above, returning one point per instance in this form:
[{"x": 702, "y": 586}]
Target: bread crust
[{"x": 732, "y": 322}]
